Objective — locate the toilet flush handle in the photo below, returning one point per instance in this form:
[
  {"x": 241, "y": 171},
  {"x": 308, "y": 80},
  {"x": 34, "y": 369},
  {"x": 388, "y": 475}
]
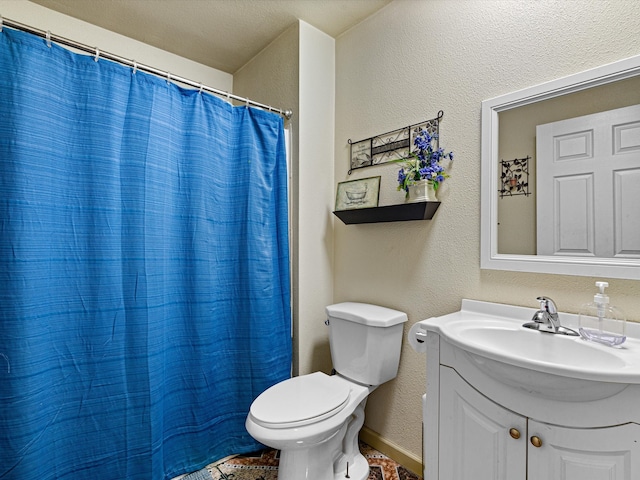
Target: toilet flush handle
[{"x": 326, "y": 322}]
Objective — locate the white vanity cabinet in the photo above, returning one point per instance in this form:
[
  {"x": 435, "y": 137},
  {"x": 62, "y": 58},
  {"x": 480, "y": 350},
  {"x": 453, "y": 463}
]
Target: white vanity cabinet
[
  {"x": 475, "y": 442},
  {"x": 481, "y": 440},
  {"x": 506, "y": 403},
  {"x": 609, "y": 453}
]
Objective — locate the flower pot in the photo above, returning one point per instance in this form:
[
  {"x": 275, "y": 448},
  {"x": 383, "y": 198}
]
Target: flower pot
[{"x": 422, "y": 191}]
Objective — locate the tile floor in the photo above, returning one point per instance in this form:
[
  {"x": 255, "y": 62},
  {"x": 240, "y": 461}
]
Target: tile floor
[{"x": 264, "y": 466}]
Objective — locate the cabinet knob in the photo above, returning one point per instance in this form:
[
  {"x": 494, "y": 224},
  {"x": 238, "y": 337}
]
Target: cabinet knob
[
  {"x": 515, "y": 433},
  {"x": 536, "y": 442}
]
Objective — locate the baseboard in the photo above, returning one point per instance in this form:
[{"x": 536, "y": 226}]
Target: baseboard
[{"x": 391, "y": 450}]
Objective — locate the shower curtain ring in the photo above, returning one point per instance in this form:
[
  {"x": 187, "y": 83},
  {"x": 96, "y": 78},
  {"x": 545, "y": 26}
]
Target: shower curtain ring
[
  {"x": 135, "y": 67},
  {"x": 96, "y": 57},
  {"x": 201, "y": 87},
  {"x": 168, "y": 78},
  {"x": 48, "y": 38}
]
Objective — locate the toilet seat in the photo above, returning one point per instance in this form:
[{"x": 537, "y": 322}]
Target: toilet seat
[{"x": 300, "y": 401}]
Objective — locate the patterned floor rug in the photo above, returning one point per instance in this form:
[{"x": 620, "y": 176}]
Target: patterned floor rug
[{"x": 264, "y": 466}]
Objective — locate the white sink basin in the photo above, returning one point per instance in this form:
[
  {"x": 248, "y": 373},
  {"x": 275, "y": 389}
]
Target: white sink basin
[
  {"x": 550, "y": 365},
  {"x": 539, "y": 350}
]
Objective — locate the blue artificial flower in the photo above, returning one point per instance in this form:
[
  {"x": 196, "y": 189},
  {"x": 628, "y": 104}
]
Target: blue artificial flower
[{"x": 426, "y": 164}]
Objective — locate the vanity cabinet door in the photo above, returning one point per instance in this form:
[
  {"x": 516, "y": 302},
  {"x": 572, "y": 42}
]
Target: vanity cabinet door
[
  {"x": 479, "y": 440},
  {"x": 611, "y": 453}
]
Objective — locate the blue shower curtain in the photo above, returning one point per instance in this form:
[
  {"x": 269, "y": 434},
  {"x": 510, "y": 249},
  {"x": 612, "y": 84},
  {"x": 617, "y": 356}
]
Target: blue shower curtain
[{"x": 144, "y": 270}]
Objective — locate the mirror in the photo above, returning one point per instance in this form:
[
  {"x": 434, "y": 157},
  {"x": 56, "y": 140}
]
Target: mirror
[{"x": 508, "y": 214}]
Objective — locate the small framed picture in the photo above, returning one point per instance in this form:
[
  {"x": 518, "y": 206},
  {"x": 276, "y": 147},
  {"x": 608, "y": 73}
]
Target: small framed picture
[{"x": 361, "y": 193}]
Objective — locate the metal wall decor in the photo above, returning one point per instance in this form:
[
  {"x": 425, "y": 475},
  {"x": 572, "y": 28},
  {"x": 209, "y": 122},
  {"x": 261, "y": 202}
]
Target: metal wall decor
[
  {"x": 390, "y": 146},
  {"x": 514, "y": 177}
]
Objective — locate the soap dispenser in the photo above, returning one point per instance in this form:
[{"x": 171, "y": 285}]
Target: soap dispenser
[{"x": 600, "y": 322}]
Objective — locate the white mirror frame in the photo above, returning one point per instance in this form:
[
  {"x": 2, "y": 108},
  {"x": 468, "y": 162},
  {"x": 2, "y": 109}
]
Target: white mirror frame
[{"x": 565, "y": 265}]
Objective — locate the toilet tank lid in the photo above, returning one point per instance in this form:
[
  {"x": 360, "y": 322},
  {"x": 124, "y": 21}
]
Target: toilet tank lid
[{"x": 366, "y": 314}]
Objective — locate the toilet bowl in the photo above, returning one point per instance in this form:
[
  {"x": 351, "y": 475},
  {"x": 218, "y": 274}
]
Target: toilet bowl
[{"x": 314, "y": 419}]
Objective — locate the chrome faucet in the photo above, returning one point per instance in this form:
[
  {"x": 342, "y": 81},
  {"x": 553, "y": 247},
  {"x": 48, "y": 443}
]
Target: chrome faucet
[
  {"x": 546, "y": 319},
  {"x": 547, "y": 316}
]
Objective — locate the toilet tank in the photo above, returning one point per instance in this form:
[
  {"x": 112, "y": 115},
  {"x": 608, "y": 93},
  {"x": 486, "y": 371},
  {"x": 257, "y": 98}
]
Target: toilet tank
[{"x": 365, "y": 341}]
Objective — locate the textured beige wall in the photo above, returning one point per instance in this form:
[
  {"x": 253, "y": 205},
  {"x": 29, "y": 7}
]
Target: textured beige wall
[
  {"x": 272, "y": 77},
  {"x": 297, "y": 71},
  {"x": 315, "y": 197},
  {"x": 400, "y": 67}
]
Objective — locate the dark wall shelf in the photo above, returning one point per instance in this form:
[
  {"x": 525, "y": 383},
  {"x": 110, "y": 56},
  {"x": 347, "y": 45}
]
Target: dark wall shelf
[{"x": 391, "y": 213}]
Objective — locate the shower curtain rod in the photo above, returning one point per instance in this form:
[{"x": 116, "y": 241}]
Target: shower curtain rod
[{"x": 49, "y": 37}]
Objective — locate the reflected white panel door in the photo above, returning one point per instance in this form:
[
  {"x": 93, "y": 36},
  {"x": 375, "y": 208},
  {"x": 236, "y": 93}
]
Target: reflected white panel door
[
  {"x": 611, "y": 453},
  {"x": 588, "y": 185},
  {"x": 476, "y": 440}
]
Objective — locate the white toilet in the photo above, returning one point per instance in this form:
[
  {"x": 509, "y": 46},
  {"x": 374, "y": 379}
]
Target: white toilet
[{"x": 314, "y": 419}]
